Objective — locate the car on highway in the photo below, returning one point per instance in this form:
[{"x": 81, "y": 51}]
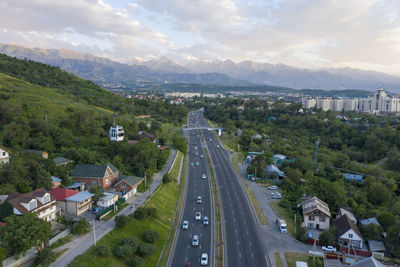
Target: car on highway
[
  {"x": 195, "y": 147},
  {"x": 272, "y": 187},
  {"x": 196, "y": 153},
  {"x": 210, "y": 140},
  {"x": 328, "y": 249},
  {"x": 204, "y": 259},
  {"x": 197, "y": 163},
  {"x": 201, "y": 156},
  {"x": 276, "y": 195},
  {"x": 204, "y": 176},
  {"x": 205, "y": 220},
  {"x": 199, "y": 201},
  {"x": 195, "y": 241},
  {"x": 217, "y": 146},
  {"x": 185, "y": 225},
  {"x": 197, "y": 216},
  {"x": 191, "y": 163}
]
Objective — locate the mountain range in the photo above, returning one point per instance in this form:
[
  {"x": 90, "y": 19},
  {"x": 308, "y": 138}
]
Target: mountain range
[{"x": 109, "y": 73}]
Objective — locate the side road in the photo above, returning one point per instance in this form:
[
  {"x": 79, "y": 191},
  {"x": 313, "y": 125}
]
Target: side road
[{"x": 82, "y": 243}]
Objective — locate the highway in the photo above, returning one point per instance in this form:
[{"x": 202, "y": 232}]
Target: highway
[
  {"x": 242, "y": 245},
  {"x": 182, "y": 250}
]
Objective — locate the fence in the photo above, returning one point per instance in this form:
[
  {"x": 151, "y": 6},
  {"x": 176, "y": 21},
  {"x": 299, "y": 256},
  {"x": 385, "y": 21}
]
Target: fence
[
  {"x": 105, "y": 211},
  {"x": 14, "y": 262},
  {"x": 59, "y": 236}
]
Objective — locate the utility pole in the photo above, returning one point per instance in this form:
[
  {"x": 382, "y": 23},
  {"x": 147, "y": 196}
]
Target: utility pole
[
  {"x": 295, "y": 223},
  {"x": 94, "y": 232},
  {"x": 316, "y": 156}
]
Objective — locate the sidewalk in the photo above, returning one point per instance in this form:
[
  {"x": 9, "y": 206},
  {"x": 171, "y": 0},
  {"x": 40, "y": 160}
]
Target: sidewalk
[{"x": 80, "y": 244}]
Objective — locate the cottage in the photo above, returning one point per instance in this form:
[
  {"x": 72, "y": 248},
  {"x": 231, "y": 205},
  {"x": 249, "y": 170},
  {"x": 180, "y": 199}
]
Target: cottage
[
  {"x": 347, "y": 211},
  {"x": 127, "y": 185},
  {"x": 60, "y": 161},
  {"x": 41, "y": 153},
  {"x": 96, "y": 175},
  {"x": 60, "y": 194},
  {"x": 4, "y": 155},
  {"x": 316, "y": 213},
  {"x": 39, "y": 201},
  {"x": 353, "y": 177},
  {"x": 55, "y": 181},
  {"x": 348, "y": 233},
  {"x": 107, "y": 200},
  {"x": 79, "y": 203}
]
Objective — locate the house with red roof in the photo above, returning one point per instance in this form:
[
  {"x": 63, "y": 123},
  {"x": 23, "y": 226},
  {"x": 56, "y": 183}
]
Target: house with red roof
[{"x": 72, "y": 201}]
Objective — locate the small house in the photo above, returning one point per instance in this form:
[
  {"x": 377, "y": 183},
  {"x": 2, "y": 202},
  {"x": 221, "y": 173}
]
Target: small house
[
  {"x": 79, "y": 203},
  {"x": 77, "y": 186},
  {"x": 107, "y": 200},
  {"x": 96, "y": 175},
  {"x": 40, "y": 153},
  {"x": 60, "y": 194},
  {"x": 348, "y": 233},
  {"x": 370, "y": 220},
  {"x": 60, "y": 161},
  {"x": 56, "y": 181},
  {"x": 278, "y": 159},
  {"x": 347, "y": 211},
  {"x": 316, "y": 213},
  {"x": 127, "y": 185},
  {"x": 4, "y": 155},
  {"x": 353, "y": 177},
  {"x": 39, "y": 201}
]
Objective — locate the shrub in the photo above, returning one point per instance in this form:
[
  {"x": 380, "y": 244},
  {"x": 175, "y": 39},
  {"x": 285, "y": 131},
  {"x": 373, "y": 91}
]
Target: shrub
[
  {"x": 136, "y": 261},
  {"x": 151, "y": 236},
  {"x": 284, "y": 203},
  {"x": 328, "y": 237},
  {"x": 80, "y": 227},
  {"x": 166, "y": 179},
  {"x": 42, "y": 256},
  {"x": 124, "y": 251},
  {"x": 140, "y": 213},
  {"x": 301, "y": 234},
  {"x": 145, "y": 250},
  {"x": 152, "y": 212},
  {"x": 130, "y": 242},
  {"x": 102, "y": 251},
  {"x": 121, "y": 221}
]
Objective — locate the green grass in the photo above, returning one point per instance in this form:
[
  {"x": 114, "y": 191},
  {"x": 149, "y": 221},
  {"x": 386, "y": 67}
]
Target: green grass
[
  {"x": 278, "y": 260},
  {"x": 61, "y": 242},
  {"x": 164, "y": 201},
  {"x": 292, "y": 257},
  {"x": 284, "y": 214}
]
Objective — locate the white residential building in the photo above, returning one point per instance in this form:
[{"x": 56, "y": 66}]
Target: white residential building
[
  {"x": 4, "y": 155},
  {"x": 316, "y": 213},
  {"x": 324, "y": 103},
  {"x": 308, "y": 102}
]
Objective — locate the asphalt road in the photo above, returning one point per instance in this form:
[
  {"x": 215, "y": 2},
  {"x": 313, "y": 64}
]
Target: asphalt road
[
  {"x": 183, "y": 252},
  {"x": 242, "y": 246}
]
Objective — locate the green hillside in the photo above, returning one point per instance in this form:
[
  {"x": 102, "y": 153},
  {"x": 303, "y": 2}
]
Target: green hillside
[{"x": 44, "y": 108}]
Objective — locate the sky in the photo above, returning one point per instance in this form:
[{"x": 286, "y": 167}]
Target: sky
[{"x": 362, "y": 34}]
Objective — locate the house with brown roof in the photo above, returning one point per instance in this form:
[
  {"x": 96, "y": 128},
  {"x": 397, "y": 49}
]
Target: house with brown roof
[
  {"x": 127, "y": 185},
  {"x": 348, "y": 233},
  {"x": 316, "y": 213},
  {"x": 39, "y": 202},
  {"x": 149, "y": 136},
  {"x": 4, "y": 155},
  {"x": 95, "y": 175}
]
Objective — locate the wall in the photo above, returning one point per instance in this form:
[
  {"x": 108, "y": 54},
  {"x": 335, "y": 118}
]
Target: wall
[
  {"x": 59, "y": 236},
  {"x": 12, "y": 262}
]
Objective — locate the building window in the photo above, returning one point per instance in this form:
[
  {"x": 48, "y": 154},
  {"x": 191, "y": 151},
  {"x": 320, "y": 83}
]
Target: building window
[
  {"x": 107, "y": 181},
  {"x": 350, "y": 235},
  {"x": 123, "y": 186},
  {"x": 311, "y": 218},
  {"x": 4, "y": 153},
  {"x": 311, "y": 225},
  {"x": 322, "y": 219},
  {"x": 94, "y": 182}
]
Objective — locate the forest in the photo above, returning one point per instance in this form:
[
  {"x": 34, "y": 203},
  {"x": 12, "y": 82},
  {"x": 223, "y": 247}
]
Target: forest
[
  {"x": 45, "y": 108},
  {"x": 348, "y": 143}
]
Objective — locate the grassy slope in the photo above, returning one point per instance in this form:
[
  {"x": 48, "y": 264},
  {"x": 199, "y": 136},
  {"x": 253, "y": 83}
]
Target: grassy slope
[{"x": 164, "y": 201}]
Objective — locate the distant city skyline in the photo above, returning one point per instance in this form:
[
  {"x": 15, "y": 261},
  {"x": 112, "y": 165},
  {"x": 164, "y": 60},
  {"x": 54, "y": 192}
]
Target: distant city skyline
[{"x": 363, "y": 34}]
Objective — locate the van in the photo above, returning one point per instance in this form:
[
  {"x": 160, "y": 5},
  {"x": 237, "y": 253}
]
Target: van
[{"x": 282, "y": 226}]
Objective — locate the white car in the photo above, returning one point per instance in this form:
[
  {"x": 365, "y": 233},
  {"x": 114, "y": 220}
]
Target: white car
[
  {"x": 204, "y": 259},
  {"x": 195, "y": 147},
  {"x": 199, "y": 200},
  {"x": 185, "y": 225},
  {"x": 197, "y": 216},
  {"x": 201, "y": 156},
  {"x": 272, "y": 187},
  {"x": 210, "y": 140},
  {"x": 276, "y": 195},
  {"x": 195, "y": 241},
  {"x": 205, "y": 220},
  {"x": 329, "y": 249},
  {"x": 204, "y": 176},
  {"x": 217, "y": 146}
]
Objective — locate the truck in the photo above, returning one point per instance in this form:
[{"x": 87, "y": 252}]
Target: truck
[{"x": 281, "y": 225}]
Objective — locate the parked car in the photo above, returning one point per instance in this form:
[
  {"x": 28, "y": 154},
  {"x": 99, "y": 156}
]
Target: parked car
[
  {"x": 276, "y": 195},
  {"x": 204, "y": 176},
  {"x": 185, "y": 225},
  {"x": 329, "y": 248},
  {"x": 197, "y": 216},
  {"x": 96, "y": 210},
  {"x": 204, "y": 259},
  {"x": 195, "y": 240},
  {"x": 205, "y": 220},
  {"x": 199, "y": 201},
  {"x": 272, "y": 187}
]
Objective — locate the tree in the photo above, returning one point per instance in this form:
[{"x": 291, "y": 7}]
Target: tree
[
  {"x": 166, "y": 179},
  {"x": 80, "y": 227},
  {"x": 121, "y": 221},
  {"x": 370, "y": 231},
  {"x": 24, "y": 232},
  {"x": 328, "y": 237},
  {"x": 180, "y": 143},
  {"x": 151, "y": 236},
  {"x": 124, "y": 251},
  {"x": 97, "y": 193},
  {"x": 146, "y": 250},
  {"x": 136, "y": 261},
  {"x": 140, "y": 213},
  {"x": 102, "y": 251}
]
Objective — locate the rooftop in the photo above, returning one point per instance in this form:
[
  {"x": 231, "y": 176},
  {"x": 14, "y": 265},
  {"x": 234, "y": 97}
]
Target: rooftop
[
  {"x": 131, "y": 180},
  {"x": 60, "y": 194},
  {"x": 55, "y": 179},
  {"x": 344, "y": 224},
  {"x": 315, "y": 203},
  {"x": 17, "y": 199},
  {"x": 92, "y": 171},
  {"x": 61, "y": 161},
  {"x": 80, "y": 196},
  {"x": 367, "y": 262}
]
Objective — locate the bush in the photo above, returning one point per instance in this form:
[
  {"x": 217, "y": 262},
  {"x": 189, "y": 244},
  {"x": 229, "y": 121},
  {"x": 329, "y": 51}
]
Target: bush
[
  {"x": 166, "y": 179},
  {"x": 124, "y": 251},
  {"x": 152, "y": 212},
  {"x": 42, "y": 256},
  {"x": 145, "y": 250},
  {"x": 301, "y": 234},
  {"x": 328, "y": 237},
  {"x": 284, "y": 203},
  {"x": 80, "y": 227},
  {"x": 140, "y": 213},
  {"x": 121, "y": 221},
  {"x": 151, "y": 236},
  {"x": 136, "y": 261},
  {"x": 130, "y": 242},
  {"x": 102, "y": 251}
]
